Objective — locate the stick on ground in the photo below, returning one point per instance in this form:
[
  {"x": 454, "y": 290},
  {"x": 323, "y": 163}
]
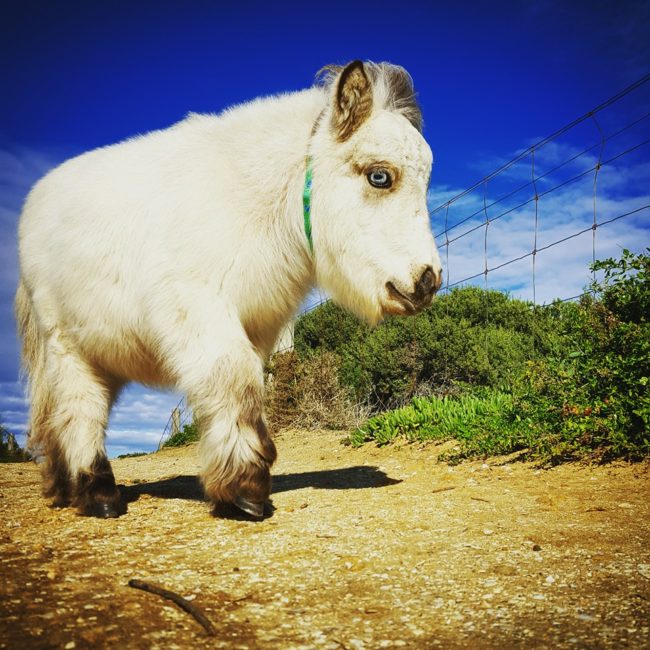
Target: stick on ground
[{"x": 179, "y": 600}]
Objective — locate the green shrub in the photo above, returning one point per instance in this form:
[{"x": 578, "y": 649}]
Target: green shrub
[
  {"x": 133, "y": 454},
  {"x": 590, "y": 396},
  {"x": 187, "y": 435},
  {"x": 10, "y": 452},
  {"x": 470, "y": 335}
]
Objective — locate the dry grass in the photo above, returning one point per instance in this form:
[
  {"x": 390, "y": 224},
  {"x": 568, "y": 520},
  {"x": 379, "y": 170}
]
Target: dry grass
[{"x": 308, "y": 395}]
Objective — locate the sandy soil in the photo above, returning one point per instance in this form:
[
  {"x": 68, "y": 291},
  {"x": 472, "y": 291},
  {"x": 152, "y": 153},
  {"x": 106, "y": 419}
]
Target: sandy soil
[{"x": 367, "y": 548}]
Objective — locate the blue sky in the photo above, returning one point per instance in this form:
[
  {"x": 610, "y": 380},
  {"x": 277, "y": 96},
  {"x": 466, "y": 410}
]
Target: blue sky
[{"x": 492, "y": 77}]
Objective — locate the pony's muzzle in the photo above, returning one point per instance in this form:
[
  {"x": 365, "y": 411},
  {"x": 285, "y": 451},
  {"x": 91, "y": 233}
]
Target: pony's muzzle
[{"x": 423, "y": 291}]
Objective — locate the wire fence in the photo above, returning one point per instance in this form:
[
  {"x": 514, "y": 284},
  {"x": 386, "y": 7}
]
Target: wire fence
[
  {"x": 534, "y": 225},
  {"x": 180, "y": 416}
]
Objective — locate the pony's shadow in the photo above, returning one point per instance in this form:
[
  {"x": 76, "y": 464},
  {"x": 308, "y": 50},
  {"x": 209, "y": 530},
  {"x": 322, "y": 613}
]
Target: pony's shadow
[
  {"x": 346, "y": 478},
  {"x": 189, "y": 488}
]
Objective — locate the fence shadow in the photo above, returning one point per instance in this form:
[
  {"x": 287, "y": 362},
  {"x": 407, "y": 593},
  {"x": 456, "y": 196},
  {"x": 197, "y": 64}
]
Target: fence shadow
[{"x": 189, "y": 488}]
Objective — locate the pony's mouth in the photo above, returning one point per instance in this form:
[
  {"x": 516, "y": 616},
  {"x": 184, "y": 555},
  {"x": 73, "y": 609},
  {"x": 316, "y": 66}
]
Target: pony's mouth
[
  {"x": 402, "y": 304},
  {"x": 398, "y": 303}
]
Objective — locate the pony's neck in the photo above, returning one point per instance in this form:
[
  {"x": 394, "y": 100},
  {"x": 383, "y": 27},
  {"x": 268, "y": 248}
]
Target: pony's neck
[{"x": 281, "y": 263}]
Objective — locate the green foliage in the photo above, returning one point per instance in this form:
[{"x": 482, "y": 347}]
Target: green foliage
[
  {"x": 461, "y": 418},
  {"x": 187, "y": 435},
  {"x": 590, "y": 396},
  {"x": 624, "y": 289},
  {"x": 10, "y": 452},
  {"x": 470, "y": 335}
]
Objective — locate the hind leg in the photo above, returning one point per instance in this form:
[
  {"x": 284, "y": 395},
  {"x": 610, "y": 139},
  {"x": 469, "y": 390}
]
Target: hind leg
[
  {"x": 43, "y": 444},
  {"x": 78, "y": 470}
]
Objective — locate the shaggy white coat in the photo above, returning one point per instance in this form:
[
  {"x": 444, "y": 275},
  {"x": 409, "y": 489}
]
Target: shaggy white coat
[{"x": 175, "y": 258}]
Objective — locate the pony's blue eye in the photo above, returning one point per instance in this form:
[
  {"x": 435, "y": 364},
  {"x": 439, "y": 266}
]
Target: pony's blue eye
[{"x": 380, "y": 178}]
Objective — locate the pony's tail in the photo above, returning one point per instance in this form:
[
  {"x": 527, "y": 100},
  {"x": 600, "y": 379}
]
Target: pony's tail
[
  {"x": 27, "y": 330},
  {"x": 33, "y": 362}
]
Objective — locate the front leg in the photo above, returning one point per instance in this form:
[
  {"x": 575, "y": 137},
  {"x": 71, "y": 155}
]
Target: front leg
[
  {"x": 236, "y": 450},
  {"x": 222, "y": 374}
]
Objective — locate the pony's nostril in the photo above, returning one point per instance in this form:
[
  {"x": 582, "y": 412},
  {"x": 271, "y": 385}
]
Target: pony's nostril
[{"x": 426, "y": 284}]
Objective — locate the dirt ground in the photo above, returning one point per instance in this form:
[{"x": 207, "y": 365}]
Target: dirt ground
[{"x": 367, "y": 548}]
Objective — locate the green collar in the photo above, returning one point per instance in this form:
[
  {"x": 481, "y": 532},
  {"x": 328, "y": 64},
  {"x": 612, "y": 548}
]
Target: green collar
[{"x": 306, "y": 203}]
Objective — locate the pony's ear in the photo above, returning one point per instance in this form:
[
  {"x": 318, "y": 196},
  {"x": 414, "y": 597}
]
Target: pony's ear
[{"x": 352, "y": 102}]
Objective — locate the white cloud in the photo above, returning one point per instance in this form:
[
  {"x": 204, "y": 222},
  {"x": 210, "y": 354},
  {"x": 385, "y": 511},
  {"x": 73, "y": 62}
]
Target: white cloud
[
  {"x": 130, "y": 441},
  {"x": 314, "y": 298},
  {"x": 13, "y": 408},
  {"x": 139, "y": 418},
  {"x": 137, "y": 421}
]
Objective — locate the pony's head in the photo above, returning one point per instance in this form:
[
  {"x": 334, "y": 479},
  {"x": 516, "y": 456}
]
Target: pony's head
[{"x": 373, "y": 247}]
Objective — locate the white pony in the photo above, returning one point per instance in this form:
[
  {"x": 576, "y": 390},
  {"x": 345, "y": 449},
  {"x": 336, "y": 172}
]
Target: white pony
[{"x": 175, "y": 258}]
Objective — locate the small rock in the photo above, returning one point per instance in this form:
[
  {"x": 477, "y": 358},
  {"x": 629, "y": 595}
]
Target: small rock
[
  {"x": 644, "y": 570},
  {"x": 537, "y": 547},
  {"x": 69, "y": 645}
]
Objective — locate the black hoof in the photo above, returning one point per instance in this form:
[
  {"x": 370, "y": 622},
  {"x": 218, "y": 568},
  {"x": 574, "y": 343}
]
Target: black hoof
[
  {"x": 103, "y": 509},
  {"x": 236, "y": 513},
  {"x": 59, "y": 503},
  {"x": 250, "y": 507}
]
